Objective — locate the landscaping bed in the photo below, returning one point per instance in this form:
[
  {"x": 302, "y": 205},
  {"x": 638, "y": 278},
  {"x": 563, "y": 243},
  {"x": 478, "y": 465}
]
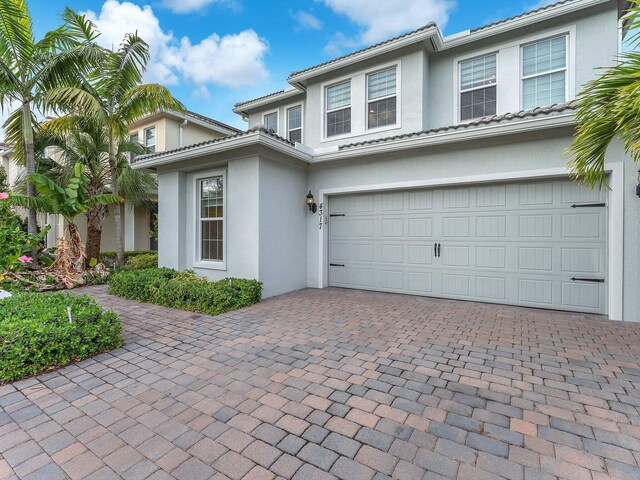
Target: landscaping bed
[
  {"x": 37, "y": 335},
  {"x": 184, "y": 290}
]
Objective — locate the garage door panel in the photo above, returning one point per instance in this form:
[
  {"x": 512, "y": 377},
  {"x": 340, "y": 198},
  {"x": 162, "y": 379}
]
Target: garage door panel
[{"x": 518, "y": 243}]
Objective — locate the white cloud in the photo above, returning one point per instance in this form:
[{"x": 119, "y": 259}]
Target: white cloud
[
  {"x": 232, "y": 60},
  {"x": 188, "y": 6},
  {"x": 306, "y": 21},
  {"x": 388, "y": 19}
]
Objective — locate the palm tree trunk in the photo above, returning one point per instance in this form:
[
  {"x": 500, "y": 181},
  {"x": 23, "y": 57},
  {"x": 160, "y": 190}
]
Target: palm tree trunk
[
  {"x": 117, "y": 209},
  {"x": 95, "y": 219},
  {"x": 27, "y": 129}
]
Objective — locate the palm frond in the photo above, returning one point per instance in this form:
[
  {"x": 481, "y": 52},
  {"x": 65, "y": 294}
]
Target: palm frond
[{"x": 147, "y": 99}]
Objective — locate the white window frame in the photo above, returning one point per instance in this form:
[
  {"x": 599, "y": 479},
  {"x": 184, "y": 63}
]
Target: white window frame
[
  {"x": 326, "y": 111},
  {"x": 132, "y": 155},
  {"x": 301, "y": 128},
  {"x": 271, "y": 112},
  {"x": 466, "y": 90},
  {"x": 367, "y": 101},
  {"x": 198, "y": 262},
  {"x": 509, "y": 96},
  {"x": 155, "y": 137},
  {"x": 565, "y": 69}
]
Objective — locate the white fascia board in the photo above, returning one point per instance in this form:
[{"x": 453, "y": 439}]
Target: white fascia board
[
  {"x": 240, "y": 110},
  {"x": 208, "y": 125},
  {"x": 474, "y": 133},
  {"x": 372, "y": 52},
  {"x": 456, "y": 40},
  {"x": 219, "y": 147}
]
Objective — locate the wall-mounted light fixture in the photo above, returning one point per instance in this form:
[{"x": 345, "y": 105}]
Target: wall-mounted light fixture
[
  {"x": 638, "y": 185},
  {"x": 313, "y": 208}
]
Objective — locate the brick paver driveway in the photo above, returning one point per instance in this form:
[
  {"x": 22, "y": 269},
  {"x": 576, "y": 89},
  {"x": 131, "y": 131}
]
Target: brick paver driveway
[{"x": 356, "y": 385}]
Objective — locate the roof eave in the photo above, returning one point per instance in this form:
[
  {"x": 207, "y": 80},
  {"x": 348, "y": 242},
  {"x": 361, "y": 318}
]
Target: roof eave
[
  {"x": 220, "y": 147},
  {"x": 455, "y": 136},
  {"x": 420, "y": 36},
  {"x": 243, "y": 107},
  {"x": 520, "y": 22}
]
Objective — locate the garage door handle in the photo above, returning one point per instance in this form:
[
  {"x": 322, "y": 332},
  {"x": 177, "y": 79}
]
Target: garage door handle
[
  {"x": 438, "y": 250},
  {"x": 435, "y": 249},
  {"x": 336, "y": 265},
  {"x": 593, "y": 280}
]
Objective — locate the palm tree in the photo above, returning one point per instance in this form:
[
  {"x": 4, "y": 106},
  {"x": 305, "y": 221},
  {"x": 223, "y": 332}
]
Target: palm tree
[
  {"x": 69, "y": 200},
  {"x": 84, "y": 142},
  {"x": 28, "y": 68},
  {"x": 113, "y": 96},
  {"x": 609, "y": 108}
]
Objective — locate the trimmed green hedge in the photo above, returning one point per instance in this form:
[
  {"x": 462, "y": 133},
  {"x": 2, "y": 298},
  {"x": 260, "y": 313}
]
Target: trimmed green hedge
[
  {"x": 185, "y": 290},
  {"x": 36, "y": 336},
  {"x": 109, "y": 258},
  {"x": 139, "y": 262}
]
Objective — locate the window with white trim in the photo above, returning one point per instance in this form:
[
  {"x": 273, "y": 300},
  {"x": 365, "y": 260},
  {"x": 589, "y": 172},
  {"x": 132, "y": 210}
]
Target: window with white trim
[
  {"x": 271, "y": 122},
  {"x": 294, "y": 123},
  {"x": 478, "y": 87},
  {"x": 544, "y": 72},
  {"x": 150, "y": 139},
  {"x": 381, "y": 98},
  {"x": 211, "y": 218},
  {"x": 338, "y": 108}
]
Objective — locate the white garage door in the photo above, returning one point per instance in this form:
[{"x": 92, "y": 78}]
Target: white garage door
[{"x": 540, "y": 244}]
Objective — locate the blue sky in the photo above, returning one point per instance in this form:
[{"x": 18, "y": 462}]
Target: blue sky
[{"x": 214, "y": 53}]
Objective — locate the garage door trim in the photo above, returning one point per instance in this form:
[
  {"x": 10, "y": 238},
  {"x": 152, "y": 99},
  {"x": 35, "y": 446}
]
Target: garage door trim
[{"x": 615, "y": 219}]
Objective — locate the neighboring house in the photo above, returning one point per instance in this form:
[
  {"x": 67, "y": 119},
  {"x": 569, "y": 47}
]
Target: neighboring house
[
  {"x": 163, "y": 131},
  {"x": 438, "y": 168}
]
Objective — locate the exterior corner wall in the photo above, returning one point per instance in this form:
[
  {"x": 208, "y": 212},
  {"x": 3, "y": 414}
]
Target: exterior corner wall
[
  {"x": 283, "y": 236},
  {"x": 172, "y": 205}
]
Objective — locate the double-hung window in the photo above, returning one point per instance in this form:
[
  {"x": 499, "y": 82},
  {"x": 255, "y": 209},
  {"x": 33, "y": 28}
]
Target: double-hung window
[
  {"x": 478, "y": 87},
  {"x": 544, "y": 72},
  {"x": 338, "y": 107},
  {"x": 211, "y": 218},
  {"x": 381, "y": 98},
  {"x": 271, "y": 122},
  {"x": 294, "y": 123},
  {"x": 150, "y": 139}
]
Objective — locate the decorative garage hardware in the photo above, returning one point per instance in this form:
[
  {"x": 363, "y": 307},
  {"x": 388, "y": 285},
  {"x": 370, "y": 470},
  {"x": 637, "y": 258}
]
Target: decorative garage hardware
[
  {"x": 593, "y": 280},
  {"x": 578, "y": 205},
  {"x": 313, "y": 208},
  {"x": 336, "y": 265},
  {"x": 337, "y": 215},
  {"x": 638, "y": 186},
  {"x": 436, "y": 249}
]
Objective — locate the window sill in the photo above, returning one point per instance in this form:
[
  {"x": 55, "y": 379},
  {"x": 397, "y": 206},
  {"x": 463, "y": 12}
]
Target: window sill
[
  {"x": 210, "y": 265},
  {"x": 385, "y": 128}
]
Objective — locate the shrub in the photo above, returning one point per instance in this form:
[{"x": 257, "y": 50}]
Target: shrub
[
  {"x": 139, "y": 262},
  {"x": 36, "y": 336},
  {"x": 109, "y": 258},
  {"x": 185, "y": 290}
]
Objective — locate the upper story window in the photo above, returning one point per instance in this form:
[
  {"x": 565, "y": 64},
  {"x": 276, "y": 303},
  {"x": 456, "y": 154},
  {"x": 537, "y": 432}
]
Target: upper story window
[
  {"x": 544, "y": 72},
  {"x": 294, "y": 123},
  {"x": 271, "y": 122},
  {"x": 478, "y": 87},
  {"x": 381, "y": 98},
  {"x": 150, "y": 139},
  {"x": 133, "y": 138},
  {"x": 338, "y": 108},
  {"x": 211, "y": 218}
]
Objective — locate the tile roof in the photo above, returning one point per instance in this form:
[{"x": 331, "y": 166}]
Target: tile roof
[
  {"x": 211, "y": 121},
  {"x": 525, "y": 14},
  {"x": 239, "y": 104},
  {"x": 552, "y": 109},
  {"x": 371, "y": 47},
  {"x": 262, "y": 130}
]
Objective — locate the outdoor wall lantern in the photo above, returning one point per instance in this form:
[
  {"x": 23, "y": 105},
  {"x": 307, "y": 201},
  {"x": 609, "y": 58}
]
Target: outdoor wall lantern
[
  {"x": 313, "y": 208},
  {"x": 638, "y": 186}
]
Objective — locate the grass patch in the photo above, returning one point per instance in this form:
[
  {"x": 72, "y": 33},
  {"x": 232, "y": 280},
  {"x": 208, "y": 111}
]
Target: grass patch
[
  {"x": 36, "y": 336},
  {"x": 185, "y": 290}
]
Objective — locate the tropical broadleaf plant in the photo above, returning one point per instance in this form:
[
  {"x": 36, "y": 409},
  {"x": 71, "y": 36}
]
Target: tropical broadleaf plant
[{"x": 609, "y": 109}]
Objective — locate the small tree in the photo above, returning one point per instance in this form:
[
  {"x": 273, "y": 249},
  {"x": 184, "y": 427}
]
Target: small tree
[
  {"x": 69, "y": 201},
  {"x": 609, "y": 108}
]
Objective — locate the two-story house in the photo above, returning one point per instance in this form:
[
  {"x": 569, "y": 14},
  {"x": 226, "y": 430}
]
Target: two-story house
[
  {"x": 424, "y": 165},
  {"x": 160, "y": 132}
]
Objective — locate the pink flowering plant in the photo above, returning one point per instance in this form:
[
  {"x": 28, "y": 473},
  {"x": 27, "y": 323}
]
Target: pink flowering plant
[{"x": 15, "y": 254}]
